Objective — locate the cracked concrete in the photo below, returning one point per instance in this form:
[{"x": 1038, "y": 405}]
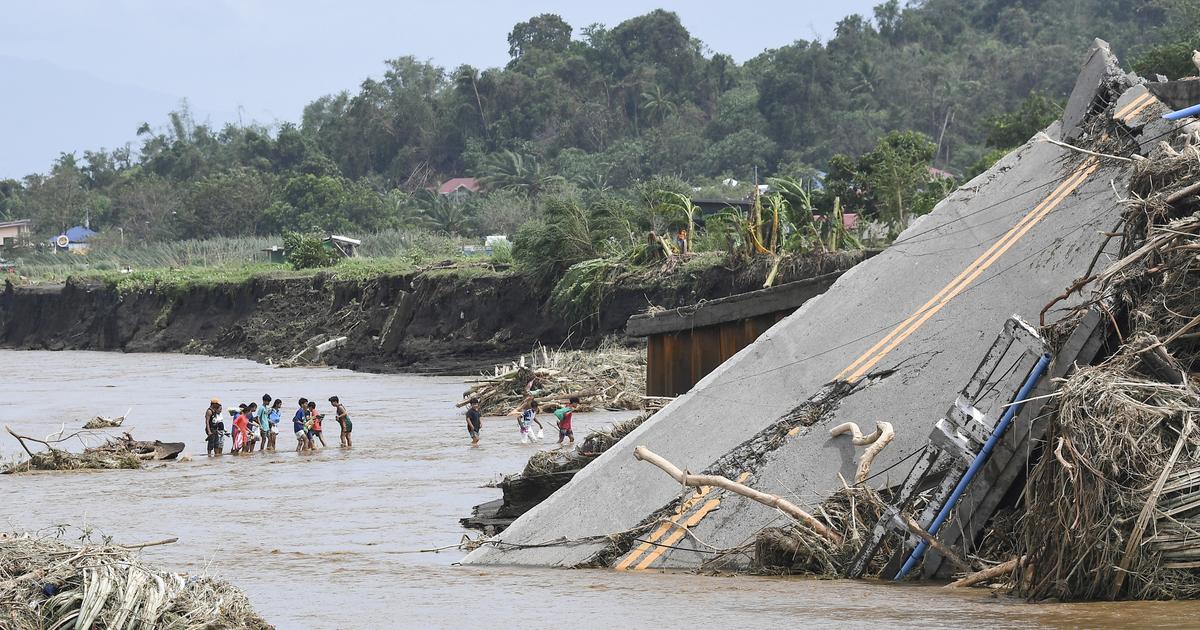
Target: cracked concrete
[{"x": 732, "y": 420}]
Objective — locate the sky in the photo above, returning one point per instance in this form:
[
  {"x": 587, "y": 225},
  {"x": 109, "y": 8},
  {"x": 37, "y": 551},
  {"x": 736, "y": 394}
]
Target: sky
[{"x": 85, "y": 74}]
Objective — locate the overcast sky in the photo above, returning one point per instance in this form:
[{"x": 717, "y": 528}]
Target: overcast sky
[{"x": 84, "y": 74}]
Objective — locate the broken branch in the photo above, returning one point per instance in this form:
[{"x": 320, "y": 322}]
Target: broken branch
[
  {"x": 1004, "y": 568},
  {"x": 644, "y": 454}
]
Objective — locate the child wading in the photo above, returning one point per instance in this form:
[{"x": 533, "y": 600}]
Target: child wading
[
  {"x": 241, "y": 426},
  {"x": 343, "y": 419},
  {"x": 315, "y": 432},
  {"x": 526, "y": 421},
  {"x": 251, "y": 430},
  {"x": 298, "y": 427},
  {"x": 564, "y": 415},
  {"x": 273, "y": 418},
  {"x": 474, "y": 420},
  {"x": 214, "y": 429},
  {"x": 264, "y": 424}
]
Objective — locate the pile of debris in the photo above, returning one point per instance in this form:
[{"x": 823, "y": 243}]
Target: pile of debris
[
  {"x": 545, "y": 472},
  {"x": 112, "y": 453},
  {"x": 102, "y": 422},
  {"x": 45, "y": 583},
  {"x": 612, "y": 376},
  {"x": 1118, "y": 485}
]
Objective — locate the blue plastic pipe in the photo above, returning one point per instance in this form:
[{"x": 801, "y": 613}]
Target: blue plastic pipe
[
  {"x": 976, "y": 465},
  {"x": 1182, "y": 113}
]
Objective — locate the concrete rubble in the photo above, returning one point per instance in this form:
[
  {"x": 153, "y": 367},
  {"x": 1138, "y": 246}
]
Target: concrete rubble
[{"x": 904, "y": 337}]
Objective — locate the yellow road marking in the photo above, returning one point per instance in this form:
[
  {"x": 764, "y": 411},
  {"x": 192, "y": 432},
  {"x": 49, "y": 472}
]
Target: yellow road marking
[
  {"x": 652, "y": 541},
  {"x": 692, "y": 520},
  {"x": 993, "y": 254},
  {"x": 876, "y": 353},
  {"x": 662, "y": 529},
  {"x": 1142, "y": 100},
  {"x": 934, "y": 301},
  {"x": 1137, "y": 111}
]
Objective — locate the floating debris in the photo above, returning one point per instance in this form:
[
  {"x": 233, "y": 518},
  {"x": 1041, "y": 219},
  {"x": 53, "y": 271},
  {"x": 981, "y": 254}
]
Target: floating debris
[
  {"x": 46, "y": 583},
  {"x": 113, "y": 453}
]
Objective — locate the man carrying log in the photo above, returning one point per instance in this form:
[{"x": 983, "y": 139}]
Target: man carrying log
[{"x": 214, "y": 429}]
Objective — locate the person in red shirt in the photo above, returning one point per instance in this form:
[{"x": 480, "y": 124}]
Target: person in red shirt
[
  {"x": 241, "y": 428},
  {"x": 564, "y": 416}
]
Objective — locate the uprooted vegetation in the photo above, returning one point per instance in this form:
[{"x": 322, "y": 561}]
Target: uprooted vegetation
[
  {"x": 47, "y": 583},
  {"x": 612, "y": 376},
  {"x": 100, "y": 452}
]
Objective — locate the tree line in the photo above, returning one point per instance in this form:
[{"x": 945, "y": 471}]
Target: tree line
[{"x": 606, "y": 115}]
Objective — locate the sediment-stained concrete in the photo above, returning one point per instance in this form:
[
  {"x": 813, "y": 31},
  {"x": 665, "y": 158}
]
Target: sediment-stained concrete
[{"x": 909, "y": 325}]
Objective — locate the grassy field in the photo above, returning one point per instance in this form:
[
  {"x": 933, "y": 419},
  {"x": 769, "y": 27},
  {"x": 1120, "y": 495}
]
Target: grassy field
[{"x": 184, "y": 264}]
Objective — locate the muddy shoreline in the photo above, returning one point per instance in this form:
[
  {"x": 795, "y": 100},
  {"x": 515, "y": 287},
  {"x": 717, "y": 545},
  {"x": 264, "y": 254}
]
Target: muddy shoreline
[{"x": 434, "y": 321}]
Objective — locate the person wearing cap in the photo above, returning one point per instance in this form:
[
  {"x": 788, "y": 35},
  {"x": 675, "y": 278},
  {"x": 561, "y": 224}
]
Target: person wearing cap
[{"x": 214, "y": 429}]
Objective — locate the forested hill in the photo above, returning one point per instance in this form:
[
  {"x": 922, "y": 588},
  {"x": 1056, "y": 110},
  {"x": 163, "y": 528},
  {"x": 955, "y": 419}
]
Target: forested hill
[{"x": 600, "y": 108}]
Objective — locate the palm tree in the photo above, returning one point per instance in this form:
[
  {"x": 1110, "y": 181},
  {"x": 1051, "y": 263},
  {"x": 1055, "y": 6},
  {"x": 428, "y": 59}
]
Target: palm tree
[
  {"x": 437, "y": 211},
  {"x": 657, "y": 104},
  {"x": 508, "y": 170}
]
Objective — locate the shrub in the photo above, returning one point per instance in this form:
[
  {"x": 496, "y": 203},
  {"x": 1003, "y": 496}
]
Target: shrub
[{"x": 306, "y": 251}]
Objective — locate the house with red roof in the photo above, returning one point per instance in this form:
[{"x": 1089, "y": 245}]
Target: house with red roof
[{"x": 460, "y": 188}]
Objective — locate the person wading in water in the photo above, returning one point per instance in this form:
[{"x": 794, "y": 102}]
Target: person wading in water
[{"x": 214, "y": 429}]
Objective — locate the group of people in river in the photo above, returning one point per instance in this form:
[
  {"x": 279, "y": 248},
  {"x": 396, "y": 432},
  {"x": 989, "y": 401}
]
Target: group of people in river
[
  {"x": 525, "y": 421},
  {"x": 257, "y": 427}
]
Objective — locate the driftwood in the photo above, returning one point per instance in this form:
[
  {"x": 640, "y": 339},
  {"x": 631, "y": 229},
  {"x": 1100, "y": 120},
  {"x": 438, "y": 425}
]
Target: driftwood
[
  {"x": 875, "y": 442},
  {"x": 120, "y": 452},
  {"x": 915, "y": 527},
  {"x": 1003, "y": 568},
  {"x": 642, "y": 453}
]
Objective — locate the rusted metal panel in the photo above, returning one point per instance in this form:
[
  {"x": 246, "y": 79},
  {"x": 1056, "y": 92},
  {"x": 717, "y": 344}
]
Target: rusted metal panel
[{"x": 676, "y": 361}]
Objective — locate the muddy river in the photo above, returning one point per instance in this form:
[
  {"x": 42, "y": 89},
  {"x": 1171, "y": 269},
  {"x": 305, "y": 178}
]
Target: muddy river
[{"x": 327, "y": 540}]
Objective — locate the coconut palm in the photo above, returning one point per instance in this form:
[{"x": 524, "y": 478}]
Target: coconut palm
[{"x": 509, "y": 170}]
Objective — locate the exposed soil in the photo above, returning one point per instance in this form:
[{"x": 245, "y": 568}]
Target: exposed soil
[{"x": 454, "y": 319}]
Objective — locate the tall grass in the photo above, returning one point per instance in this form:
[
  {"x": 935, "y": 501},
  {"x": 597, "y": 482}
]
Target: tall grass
[{"x": 387, "y": 249}]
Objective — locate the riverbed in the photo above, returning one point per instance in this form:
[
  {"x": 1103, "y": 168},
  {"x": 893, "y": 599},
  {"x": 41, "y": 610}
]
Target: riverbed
[{"x": 332, "y": 539}]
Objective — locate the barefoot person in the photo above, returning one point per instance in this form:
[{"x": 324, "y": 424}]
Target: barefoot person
[
  {"x": 240, "y": 428},
  {"x": 343, "y": 419},
  {"x": 250, "y": 431},
  {"x": 298, "y": 427},
  {"x": 474, "y": 421},
  {"x": 214, "y": 428}
]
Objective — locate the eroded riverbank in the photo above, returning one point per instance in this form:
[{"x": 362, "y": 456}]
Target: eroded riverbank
[{"x": 322, "y": 541}]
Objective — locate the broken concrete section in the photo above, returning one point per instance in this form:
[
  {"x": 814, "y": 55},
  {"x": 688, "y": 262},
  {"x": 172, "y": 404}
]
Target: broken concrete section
[
  {"x": 892, "y": 340},
  {"x": 1101, "y": 74}
]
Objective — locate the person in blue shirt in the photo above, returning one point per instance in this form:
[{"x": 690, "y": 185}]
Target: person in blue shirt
[
  {"x": 264, "y": 425},
  {"x": 302, "y": 441},
  {"x": 273, "y": 417}
]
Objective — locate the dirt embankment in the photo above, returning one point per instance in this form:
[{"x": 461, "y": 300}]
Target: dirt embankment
[{"x": 436, "y": 320}]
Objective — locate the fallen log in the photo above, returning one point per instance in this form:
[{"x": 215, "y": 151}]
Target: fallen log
[
  {"x": 642, "y": 453},
  {"x": 1004, "y": 568}
]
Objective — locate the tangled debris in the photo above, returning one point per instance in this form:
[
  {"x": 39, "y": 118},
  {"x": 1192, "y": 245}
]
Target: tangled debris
[
  {"x": 1118, "y": 485},
  {"x": 46, "y": 583},
  {"x": 113, "y": 453},
  {"x": 101, "y": 422},
  {"x": 610, "y": 377}
]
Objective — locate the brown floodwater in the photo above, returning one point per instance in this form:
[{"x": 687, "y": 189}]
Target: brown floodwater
[{"x": 326, "y": 540}]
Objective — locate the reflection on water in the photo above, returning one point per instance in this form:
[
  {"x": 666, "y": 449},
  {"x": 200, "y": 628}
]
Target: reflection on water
[{"x": 325, "y": 540}]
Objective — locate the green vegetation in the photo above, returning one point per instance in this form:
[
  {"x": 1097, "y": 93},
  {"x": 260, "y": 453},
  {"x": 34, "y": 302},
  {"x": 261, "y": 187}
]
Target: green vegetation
[
  {"x": 589, "y": 139},
  {"x": 306, "y": 251}
]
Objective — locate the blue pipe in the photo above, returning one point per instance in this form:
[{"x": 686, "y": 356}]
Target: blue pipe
[
  {"x": 1182, "y": 113},
  {"x": 976, "y": 465}
]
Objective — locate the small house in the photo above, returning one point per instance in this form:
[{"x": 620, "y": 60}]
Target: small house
[
  {"x": 344, "y": 245},
  {"x": 13, "y": 233},
  {"x": 459, "y": 188}
]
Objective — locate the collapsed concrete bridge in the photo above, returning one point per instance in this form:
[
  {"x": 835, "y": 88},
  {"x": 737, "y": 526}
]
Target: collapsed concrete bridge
[{"x": 895, "y": 338}]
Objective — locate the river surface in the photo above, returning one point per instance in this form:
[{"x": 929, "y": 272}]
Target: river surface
[{"x": 327, "y": 540}]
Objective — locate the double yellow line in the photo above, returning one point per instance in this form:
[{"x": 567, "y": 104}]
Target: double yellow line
[
  {"x": 671, "y": 531},
  {"x": 863, "y": 364},
  {"x": 1134, "y": 107},
  {"x": 655, "y": 547}
]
